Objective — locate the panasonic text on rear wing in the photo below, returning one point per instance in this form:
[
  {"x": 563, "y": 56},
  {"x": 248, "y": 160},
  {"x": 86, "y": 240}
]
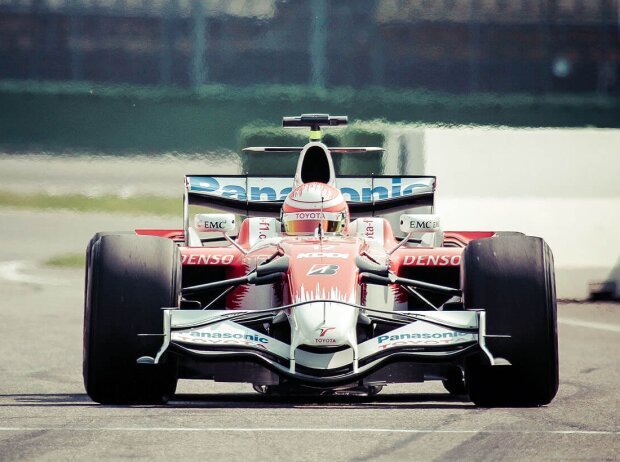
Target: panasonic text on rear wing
[{"x": 354, "y": 189}]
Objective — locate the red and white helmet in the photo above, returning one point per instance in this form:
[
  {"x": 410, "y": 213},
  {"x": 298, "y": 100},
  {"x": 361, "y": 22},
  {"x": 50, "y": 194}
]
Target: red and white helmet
[{"x": 312, "y": 204}]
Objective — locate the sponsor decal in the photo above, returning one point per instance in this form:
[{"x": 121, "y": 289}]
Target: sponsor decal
[
  {"x": 223, "y": 338},
  {"x": 370, "y": 228},
  {"x": 395, "y": 188},
  {"x": 264, "y": 226},
  {"x": 214, "y": 222},
  {"x": 420, "y": 224},
  {"x": 323, "y": 255},
  {"x": 202, "y": 259},
  {"x": 437, "y": 338},
  {"x": 322, "y": 338},
  {"x": 356, "y": 189},
  {"x": 323, "y": 270},
  {"x": 369, "y": 232},
  {"x": 230, "y": 335},
  {"x": 261, "y": 228},
  {"x": 324, "y": 330},
  {"x": 333, "y": 216},
  {"x": 432, "y": 260}
]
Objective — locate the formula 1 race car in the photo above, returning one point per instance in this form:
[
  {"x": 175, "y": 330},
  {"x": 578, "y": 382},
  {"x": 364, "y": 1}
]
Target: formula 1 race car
[{"x": 315, "y": 292}]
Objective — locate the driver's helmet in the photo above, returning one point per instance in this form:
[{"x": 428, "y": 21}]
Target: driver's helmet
[{"x": 312, "y": 204}]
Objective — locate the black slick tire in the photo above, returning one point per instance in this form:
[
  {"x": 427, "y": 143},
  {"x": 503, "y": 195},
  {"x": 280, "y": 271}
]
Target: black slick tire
[
  {"x": 129, "y": 278},
  {"x": 455, "y": 382},
  {"x": 512, "y": 278}
]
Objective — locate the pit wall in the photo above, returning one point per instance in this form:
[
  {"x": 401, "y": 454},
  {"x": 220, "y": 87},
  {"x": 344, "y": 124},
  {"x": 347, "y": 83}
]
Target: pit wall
[{"x": 559, "y": 184}]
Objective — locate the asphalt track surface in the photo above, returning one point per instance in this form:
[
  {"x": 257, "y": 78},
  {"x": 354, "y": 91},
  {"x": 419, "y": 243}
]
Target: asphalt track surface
[{"x": 45, "y": 414}]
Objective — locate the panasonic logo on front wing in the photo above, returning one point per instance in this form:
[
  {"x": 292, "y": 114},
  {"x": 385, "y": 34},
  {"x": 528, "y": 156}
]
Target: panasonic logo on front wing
[
  {"x": 385, "y": 338},
  {"x": 230, "y": 335},
  {"x": 385, "y": 342}
]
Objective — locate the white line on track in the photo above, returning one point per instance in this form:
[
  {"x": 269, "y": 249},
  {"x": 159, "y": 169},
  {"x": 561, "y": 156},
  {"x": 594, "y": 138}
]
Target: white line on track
[
  {"x": 315, "y": 430},
  {"x": 589, "y": 324}
]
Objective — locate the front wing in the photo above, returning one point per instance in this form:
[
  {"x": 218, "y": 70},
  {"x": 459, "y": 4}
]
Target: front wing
[{"x": 419, "y": 337}]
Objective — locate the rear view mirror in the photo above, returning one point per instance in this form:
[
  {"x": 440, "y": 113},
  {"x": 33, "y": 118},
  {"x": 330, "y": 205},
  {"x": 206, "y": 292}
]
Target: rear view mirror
[{"x": 366, "y": 266}]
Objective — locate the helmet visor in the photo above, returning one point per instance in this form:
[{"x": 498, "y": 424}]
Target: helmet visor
[{"x": 307, "y": 222}]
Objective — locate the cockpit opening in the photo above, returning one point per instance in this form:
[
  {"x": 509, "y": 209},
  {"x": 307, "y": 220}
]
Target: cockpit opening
[{"x": 315, "y": 167}]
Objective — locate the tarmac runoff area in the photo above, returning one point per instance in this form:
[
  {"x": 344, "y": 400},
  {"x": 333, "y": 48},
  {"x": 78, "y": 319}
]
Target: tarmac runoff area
[
  {"x": 45, "y": 414},
  {"x": 158, "y": 175}
]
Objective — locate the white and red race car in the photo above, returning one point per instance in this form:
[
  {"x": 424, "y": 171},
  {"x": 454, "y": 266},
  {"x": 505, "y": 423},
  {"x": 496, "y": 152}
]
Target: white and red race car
[{"x": 315, "y": 292}]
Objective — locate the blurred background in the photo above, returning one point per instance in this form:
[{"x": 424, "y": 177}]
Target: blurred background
[
  {"x": 457, "y": 46},
  {"x": 513, "y": 104}
]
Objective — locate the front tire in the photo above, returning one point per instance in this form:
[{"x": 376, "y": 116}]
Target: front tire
[
  {"x": 512, "y": 278},
  {"x": 455, "y": 382},
  {"x": 129, "y": 279}
]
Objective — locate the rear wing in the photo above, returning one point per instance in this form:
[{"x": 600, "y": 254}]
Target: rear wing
[
  {"x": 300, "y": 148},
  {"x": 264, "y": 195}
]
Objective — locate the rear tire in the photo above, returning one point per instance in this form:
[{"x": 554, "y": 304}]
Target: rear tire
[
  {"x": 129, "y": 279},
  {"x": 512, "y": 278}
]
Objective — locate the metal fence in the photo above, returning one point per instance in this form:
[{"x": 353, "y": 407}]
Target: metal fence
[{"x": 459, "y": 46}]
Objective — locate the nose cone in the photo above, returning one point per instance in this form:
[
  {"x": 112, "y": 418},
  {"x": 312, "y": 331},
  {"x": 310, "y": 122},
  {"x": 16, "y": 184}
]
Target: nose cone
[{"x": 323, "y": 324}]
